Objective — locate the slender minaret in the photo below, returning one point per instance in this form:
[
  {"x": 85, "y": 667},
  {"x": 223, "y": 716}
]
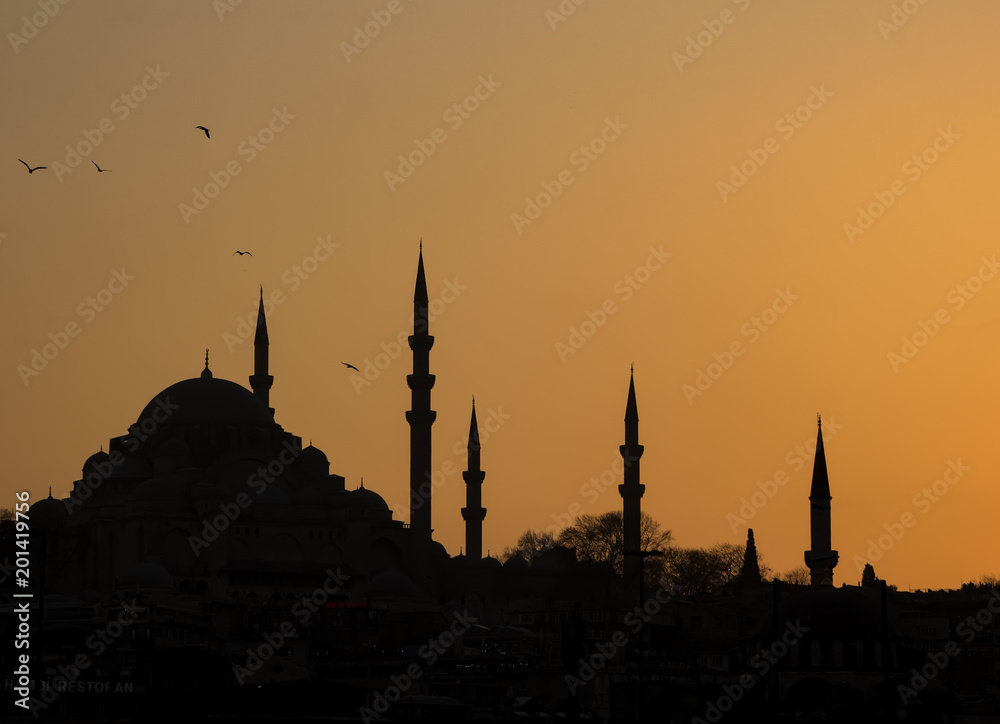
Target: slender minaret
[
  {"x": 474, "y": 512},
  {"x": 750, "y": 572},
  {"x": 631, "y": 490},
  {"x": 821, "y": 559},
  {"x": 420, "y": 415},
  {"x": 260, "y": 380}
]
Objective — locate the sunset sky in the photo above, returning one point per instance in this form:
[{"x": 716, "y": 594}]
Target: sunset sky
[{"x": 808, "y": 185}]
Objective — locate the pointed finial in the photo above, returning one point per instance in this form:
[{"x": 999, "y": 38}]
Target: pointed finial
[
  {"x": 631, "y": 368},
  {"x": 819, "y": 420},
  {"x": 261, "y": 291},
  {"x": 362, "y": 482},
  {"x": 421, "y": 243},
  {"x": 50, "y": 491},
  {"x": 206, "y": 373}
]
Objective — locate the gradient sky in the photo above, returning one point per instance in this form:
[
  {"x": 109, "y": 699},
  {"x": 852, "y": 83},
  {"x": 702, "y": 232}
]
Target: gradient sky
[{"x": 887, "y": 92}]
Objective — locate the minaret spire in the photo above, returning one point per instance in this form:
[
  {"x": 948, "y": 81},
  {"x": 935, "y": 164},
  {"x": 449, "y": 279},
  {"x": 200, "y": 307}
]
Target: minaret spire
[
  {"x": 821, "y": 558},
  {"x": 750, "y": 572},
  {"x": 631, "y": 489},
  {"x": 260, "y": 380},
  {"x": 420, "y": 416},
  {"x": 206, "y": 374},
  {"x": 474, "y": 512}
]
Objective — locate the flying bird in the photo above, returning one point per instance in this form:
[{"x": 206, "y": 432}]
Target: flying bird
[
  {"x": 205, "y": 130},
  {"x": 241, "y": 253},
  {"x": 99, "y": 169},
  {"x": 30, "y": 169},
  {"x": 350, "y": 366}
]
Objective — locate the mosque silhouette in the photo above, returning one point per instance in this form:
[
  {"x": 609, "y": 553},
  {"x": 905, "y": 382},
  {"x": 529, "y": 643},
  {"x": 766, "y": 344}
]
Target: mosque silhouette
[{"x": 207, "y": 564}]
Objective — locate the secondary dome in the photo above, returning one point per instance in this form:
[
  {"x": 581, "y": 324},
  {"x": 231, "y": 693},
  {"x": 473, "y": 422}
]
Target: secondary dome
[{"x": 204, "y": 401}]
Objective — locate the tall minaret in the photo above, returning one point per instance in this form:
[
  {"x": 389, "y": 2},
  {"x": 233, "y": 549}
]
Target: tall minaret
[
  {"x": 821, "y": 559},
  {"x": 631, "y": 490},
  {"x": 474, "y": 512},
  {"x": 420, "y": 415},
  {"x": 260, "y": 380}
]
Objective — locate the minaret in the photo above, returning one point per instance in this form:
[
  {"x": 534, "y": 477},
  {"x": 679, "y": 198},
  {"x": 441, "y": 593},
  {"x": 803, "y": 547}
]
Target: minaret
[
  {"x": 821, "y": 559},
  {"x": 631, "y": 490},
  {"x": 474, "y": 512},
  {"x": 750, "y": 572},
  {"x": 260, "y": 380},
  {"x": 420, "y": 415}
]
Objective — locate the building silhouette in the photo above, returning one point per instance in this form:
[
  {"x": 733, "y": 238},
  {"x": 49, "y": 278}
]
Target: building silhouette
[{"x": 210, "y": 530}]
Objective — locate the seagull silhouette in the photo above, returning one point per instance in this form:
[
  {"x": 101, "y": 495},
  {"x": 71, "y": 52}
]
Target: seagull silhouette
[
  {"x": 351, "y": 366},
  {"x": 30, "y": 169},
  {"x": 241, "y": 253},
  {"x": 205, "y": 130},
  {"x": 99, "y": 169}
]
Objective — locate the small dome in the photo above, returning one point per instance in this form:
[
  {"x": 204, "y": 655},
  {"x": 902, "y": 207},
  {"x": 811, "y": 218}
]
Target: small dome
[
  {"x": 366, "y": 499},
  {"x": 313, "y": 463},
  {"x": 48, "y": 513},
  {"x": 94, "y": 460},
  {"x": 516, "y": 563},
  {"x": 490, "y": 562}
]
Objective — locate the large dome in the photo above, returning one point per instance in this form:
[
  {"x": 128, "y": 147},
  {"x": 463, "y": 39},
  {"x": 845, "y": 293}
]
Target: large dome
[{"x": 205, "y": 401}]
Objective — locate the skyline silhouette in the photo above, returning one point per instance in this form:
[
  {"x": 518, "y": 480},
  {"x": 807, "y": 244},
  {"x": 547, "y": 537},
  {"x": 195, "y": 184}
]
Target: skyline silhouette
[{"x": 640, "y": 257}]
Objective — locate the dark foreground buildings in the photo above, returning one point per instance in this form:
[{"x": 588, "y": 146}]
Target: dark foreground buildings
[{"x": 207, "y": 565}]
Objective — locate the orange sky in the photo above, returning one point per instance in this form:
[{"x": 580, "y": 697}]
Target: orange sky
[{"x": 549, "y": 86}]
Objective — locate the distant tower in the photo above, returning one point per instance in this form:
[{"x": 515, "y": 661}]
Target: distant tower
[
  {"x": 750, "y": 572},
  {"x": 420, "y": 415},
  {"x": 631, "y": 490},
  {"x": 474, "y": 512},
  {"x": 260, "y": 380},
  {"x": 821, "y": 559}
]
